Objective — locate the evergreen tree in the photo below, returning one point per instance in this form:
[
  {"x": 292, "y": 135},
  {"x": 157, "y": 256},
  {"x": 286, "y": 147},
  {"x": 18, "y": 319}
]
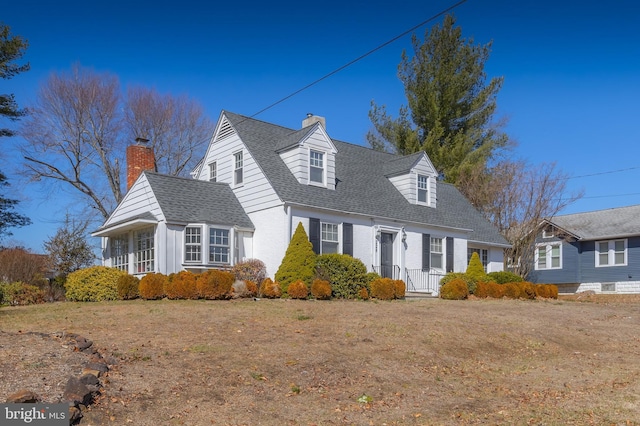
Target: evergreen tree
[{"x": 299, "y": 262}]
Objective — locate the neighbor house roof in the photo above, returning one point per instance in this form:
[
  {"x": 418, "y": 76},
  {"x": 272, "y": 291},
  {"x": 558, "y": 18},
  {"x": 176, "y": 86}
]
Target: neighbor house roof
[
  {"x": 361, "y": 185},
  {"x": 600, "y": 224}
]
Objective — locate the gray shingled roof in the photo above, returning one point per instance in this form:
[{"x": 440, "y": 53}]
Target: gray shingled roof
[
  {"x": 361, "y": 187},
  {"x": 184, "y": 200},
  {"x": 401, "y": 164},
  {"x": 615, "y": 222}
]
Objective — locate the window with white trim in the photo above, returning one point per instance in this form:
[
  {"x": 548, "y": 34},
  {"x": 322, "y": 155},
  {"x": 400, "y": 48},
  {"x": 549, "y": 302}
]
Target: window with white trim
[
  {"x": 423, "y": 189},
  {"x": 213, "y": 172},
  {"x": 436, "y": 253},
  {"x": 329, "y": 238},
  {"x": 611, "y": 253},
  {"x": 193, "y": 244},
  {"x": 120, "y": 252},
  {"x": 316, "y": 166},
  {"x": 483, "y": 254},
  {"x": 144, "y": 250},
  {"x": 237, "y": 168},
  {"x": 219, "y": 245},
  {"x": 548, "y": 256}
]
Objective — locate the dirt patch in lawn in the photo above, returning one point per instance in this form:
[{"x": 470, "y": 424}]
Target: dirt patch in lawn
[{"x": 279, "y": 362}]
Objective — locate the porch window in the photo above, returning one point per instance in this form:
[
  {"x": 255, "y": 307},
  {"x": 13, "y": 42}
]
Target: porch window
[
  {"x": 144, "y": 250},
  {"x": 120, "y": 252},
  {"x": 549, "y": 256},
  {"x": 316, "y": 167},
  {"x": 329, "y": 238},
  {"x": 436, "y": 253},
  {"x": 219, "y": 245},
  {"x": 482, "y": 253},
  {"x": 423, "y": 189},
  {"x": 611, "y": 253},
  {"x": 213, "y": 172},
  {"x": 237, "y": 169},
  {"x": 193, "y": 244}
]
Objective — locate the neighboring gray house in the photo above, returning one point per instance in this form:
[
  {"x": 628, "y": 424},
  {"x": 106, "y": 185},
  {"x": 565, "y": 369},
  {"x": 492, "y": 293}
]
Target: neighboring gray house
[
  {"x": 597, "y": 251},
  {"x": 258, "y": 180}
]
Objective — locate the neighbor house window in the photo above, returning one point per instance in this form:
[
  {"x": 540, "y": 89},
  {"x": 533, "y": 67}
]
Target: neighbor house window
[
  {"x": 436, "y": 253},
  {"x": 143, "y": 251},
  {"x": 213, "y": 172},
  {"x": 423, "y": 189},
  {"x": 120, "y": 252},
  {"x": 192, "y": 244},
  {"x": 237, "y": 169},
  {"x": 219, "y": 245},
  {"x": 611, "y": 253},
  {"x": 316, "y": 166},
  {"x": 329, "y": 237},
  {"x": 549, "y": 256},
  {"x": 483, "y": 254}
]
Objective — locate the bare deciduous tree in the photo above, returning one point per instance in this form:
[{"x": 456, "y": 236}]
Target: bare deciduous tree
[{"x": 77, "y": 131}]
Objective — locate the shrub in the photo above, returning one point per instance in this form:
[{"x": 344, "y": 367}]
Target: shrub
[
  {"x": 450, "y": 276},
  {"x": 250, "y": 270},
  {"x": 270, "y": 289},
  {"x": 496, "y": 291},
  {"x": 399, "y": 289},
  {"x": 511, "y": 290},
  {"x": 383, "y": 289},
  {"x": 19, "y": 293},
  {"x": 215, "y": 284},
  {"x": 321, "y": 289},
  {"x": 346, "y": 274},
  {"x": 552, "y": 290},
  {"x": 93, "y": 284},
  {"x": 152, "y": 286},
  {"x": 243, "y": 289},
  {"x": 483, "y": 289},
  {"x": 503, "y": 277},
  {"x": 298, "y": 290},
  {"x": 128, "y": 287},
  {"x": 547, "y": 291},
  {"x": 455, "y": 289},
  {"x": 527, "y": 289},
  {"x": 252, "y": 288},
  {"x": 475, "y": 271},
  {"x": 181, "y": 286},
  {"x": 363, "y": 294},
  {"x": 299, "y": 261}
]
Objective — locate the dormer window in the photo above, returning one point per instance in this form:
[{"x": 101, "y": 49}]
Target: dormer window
[
  {"x": 423, "y": 189},
  {"x": 237, "y": 170},
  {"x": 316, "y": 167}
]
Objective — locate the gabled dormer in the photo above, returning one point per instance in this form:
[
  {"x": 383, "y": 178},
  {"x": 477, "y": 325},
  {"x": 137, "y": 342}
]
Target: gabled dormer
[
  {"x": 415, "y": 177},
  {"x": 310, "y": 154}
]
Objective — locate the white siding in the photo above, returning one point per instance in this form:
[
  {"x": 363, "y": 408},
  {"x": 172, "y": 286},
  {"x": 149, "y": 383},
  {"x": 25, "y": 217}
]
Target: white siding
[
  {"x": 296, "y": 161},
  {"x": 496, "y": 260},
  {"x": 407, "y": 184},
  {"x": 270, "y": 237},
  {"x": 318, "y": 141},
  {"x": 139, "y": 200}
]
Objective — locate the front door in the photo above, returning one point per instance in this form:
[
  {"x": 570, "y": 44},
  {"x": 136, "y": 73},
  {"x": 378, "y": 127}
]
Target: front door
[{"x": 386, "y": 255}]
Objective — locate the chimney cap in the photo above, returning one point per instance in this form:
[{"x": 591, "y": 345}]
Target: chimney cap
[{"x": 141, "y": 141}]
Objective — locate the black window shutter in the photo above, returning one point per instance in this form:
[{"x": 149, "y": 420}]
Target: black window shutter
[
  {"x": 426, "y": 252},
  {"x": 314, "y": 234},
  {"x": 449, "y": 254},
  {"x": 347, "y": 239}
]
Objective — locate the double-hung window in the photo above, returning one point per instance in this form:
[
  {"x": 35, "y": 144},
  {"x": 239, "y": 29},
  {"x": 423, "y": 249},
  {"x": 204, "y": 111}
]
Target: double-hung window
[
  {"x": 549, "y": 256},
  {"x": 423, "y": 189},
  {"x": 219, "y": 245},
  {"x": 213, "y": 172},
  {"x": 329, "y": 238},
  {"x": 436, "y": 253},
  {"x": 611, "y": 253},
  {"x": 316, "y": 166},
  {"x": 193, "y": 244},
  {"x": 120, "y": 252},
  {"x": 144, "y": 250},
  {"x": 237, "y": 168}
]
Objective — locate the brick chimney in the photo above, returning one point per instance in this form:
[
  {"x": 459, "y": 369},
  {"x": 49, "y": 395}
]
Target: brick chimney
[
  {"x": 139, "y": 158},
  {"x": 313, "y": 119}
]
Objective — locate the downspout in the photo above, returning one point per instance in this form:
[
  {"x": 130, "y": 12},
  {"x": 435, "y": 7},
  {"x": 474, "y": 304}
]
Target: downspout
[{"x": 289, "y": 221}]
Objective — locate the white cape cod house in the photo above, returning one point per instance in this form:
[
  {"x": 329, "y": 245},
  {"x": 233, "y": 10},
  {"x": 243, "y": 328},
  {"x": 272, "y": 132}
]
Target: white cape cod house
[{"x": 258, "y": 180}]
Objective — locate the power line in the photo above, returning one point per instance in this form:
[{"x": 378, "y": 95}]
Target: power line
[{"x": 603, "y": 173}]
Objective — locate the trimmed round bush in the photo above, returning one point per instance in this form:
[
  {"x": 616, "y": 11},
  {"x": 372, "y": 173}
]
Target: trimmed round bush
[
  {"x": 527, "y": 289},
  {"x": 128, "y": 287},
  {"x": 181, "y": 286},
  {"x": 363, "y": 294},
  {"x": 512, "y": 291},
  {"x": 298, "y": 290},
  {"x": 496, "y": 291},
  {"x": 250, "y": 270},
  {"x": 383, "y": 289},
  {"x": 270, "y": 289},
  {"x": 346, "y": 274},
  {"x": 503, "y": 277},
  {"x": 20, "y": 294},
  {"x": 252, "y": 288},
  {"x": 93, "y": 284},
  {"x": 455, "y": 289},
  {"x": 399, "y": 289},
  {"x": 321, "y": 289},
  {"x": 483, "y": 289},
  {"x": 547, "y": 291},
  {"x": 152, "y": 286},
  {"x": 471, "y": 284},
  {"x": 215, "y": 284}
]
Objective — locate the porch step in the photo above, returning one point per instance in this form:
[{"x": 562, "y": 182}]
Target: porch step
[{"x": 418, "y": 295}]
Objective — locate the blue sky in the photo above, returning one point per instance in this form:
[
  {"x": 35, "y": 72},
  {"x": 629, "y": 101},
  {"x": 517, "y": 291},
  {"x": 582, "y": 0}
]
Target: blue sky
[{"x": 571, "y": 70}]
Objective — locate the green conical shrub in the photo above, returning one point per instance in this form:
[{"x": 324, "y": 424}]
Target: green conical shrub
[{"x": 299, "y": 262}]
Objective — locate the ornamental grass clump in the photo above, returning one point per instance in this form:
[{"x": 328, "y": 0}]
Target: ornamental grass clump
[
  {"x": 299, "y": 262},
  {"x": 270, "y": 289},
  {"x": 181, "y": 286},
  {"x": 128, "y": 287},
  {"x": 383, "y": 289},
  {"x": 152, "y": 286},
  {"x": 455, "y": 289},
  {"x": 93, "y": 284},
  {"x": 321, "y": 289},
  {"x": 298, "y": 290},
  {"x": 215, "y": 284}
]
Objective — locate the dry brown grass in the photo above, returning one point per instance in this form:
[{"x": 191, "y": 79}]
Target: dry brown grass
[{"x": 423, "y": 362}]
